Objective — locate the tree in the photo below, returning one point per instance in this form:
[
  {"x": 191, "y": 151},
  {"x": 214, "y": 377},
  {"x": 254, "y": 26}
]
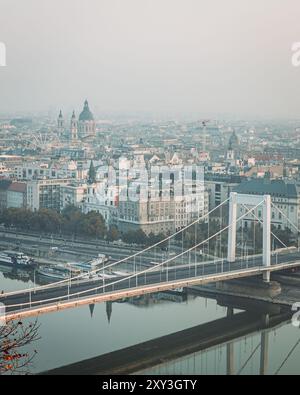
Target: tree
[
  {"x": 135, "y": 237},
  {"x": 156, "y": 238},
  {"x": 69, "y": 211},
  {"x": 91, "y": 174},
  {"x": 113, "y": 234},
  {"x": 72, "y": 219},
  {"x": 93, "y": 224},
  {"x": 46, "y": 220},
  {"x": 140, "y": 237},
  {"x": 18, "y": 217},
  {"x": 23, "y": 218},
  {"x": 13, "y": 336},
  {"x": 129, "y": 237}
]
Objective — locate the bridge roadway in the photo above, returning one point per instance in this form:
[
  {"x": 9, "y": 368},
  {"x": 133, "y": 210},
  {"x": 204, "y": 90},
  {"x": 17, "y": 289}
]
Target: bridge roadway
[{"x": 35, "y": 303}]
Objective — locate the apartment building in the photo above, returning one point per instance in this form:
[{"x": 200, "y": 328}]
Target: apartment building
[
  {"x": 45, "y": 193},
  {"x": 285, "y": 194}
]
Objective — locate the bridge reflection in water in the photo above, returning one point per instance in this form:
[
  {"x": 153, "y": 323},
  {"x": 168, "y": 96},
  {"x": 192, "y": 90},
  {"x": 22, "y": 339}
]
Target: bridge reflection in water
[{"x": 188, "y": 351}]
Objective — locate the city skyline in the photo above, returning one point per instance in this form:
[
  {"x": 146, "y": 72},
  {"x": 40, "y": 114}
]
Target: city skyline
[{"x": 149, "y": 189}]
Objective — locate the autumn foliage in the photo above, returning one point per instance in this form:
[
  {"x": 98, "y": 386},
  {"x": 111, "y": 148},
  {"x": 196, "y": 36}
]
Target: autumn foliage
[{"x": 13, "y": 338}]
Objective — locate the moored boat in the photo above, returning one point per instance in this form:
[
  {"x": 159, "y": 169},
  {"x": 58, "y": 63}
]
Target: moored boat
[
  {"x": 58, "y": 272},
  {"x": 16, "y": 259}
]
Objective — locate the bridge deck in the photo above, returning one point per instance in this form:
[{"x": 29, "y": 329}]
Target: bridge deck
[{"x": 56, "y": 298}]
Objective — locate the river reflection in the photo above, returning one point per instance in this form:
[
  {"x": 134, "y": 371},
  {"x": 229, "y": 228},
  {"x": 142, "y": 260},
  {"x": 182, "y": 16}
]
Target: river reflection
[
  {"x": 80, "y": 334},
  {"x": 270, "y": 352}
]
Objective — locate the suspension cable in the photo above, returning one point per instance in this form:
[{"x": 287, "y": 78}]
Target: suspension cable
[
  {"x": 131, "y": 276},
  {"x": 273, "y": 234},
  {"x": 117, "y": 262},
  {"x": 246, "y": 363},
  {"x": 295, "y": 227},
  {"x": 287, "y": 357}
]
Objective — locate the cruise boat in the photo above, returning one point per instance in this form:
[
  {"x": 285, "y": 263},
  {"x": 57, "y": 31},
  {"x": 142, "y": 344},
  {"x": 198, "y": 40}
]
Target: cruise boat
[
  {"x": 58, "y": 272},
  {"x": 94, "y": 264},
  {"x": 16, "y": 259}
]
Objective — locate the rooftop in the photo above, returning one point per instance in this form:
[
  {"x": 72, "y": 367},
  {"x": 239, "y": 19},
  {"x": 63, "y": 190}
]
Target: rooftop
[
  {"x": 17, "y": 187},
  {"x": 263, "y": 186}
]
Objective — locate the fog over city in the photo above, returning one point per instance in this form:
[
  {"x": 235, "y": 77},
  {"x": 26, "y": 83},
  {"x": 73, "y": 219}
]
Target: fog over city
[
  {"x": 149, "y": 190},
  {"x": 206, "y": 57}
]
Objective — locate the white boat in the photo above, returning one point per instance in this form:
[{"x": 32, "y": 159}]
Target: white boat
[
  {"x": 16, "y": 259},
  {"x": 83, "y": 267},
  {"x": 89, "y": 266},
  {"x": 122, "y": 274},
  {"x": 108, "y": 276}
]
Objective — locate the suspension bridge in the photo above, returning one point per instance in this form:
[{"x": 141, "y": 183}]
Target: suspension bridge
[{"x": 215, "y": 247}]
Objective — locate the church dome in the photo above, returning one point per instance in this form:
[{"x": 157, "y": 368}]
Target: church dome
[{"x": 86, "y": 114}]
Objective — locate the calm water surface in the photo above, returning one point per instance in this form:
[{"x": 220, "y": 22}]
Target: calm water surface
[{"x": 73, "y": 335}]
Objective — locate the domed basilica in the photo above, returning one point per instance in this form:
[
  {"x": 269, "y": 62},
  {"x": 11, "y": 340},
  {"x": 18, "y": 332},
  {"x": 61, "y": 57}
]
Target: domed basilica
[{"x": 82, "y": 128}]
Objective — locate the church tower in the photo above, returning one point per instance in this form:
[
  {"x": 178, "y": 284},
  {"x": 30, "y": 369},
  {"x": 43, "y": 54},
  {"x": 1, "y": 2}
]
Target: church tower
[
  {"x": 86, "y": 124},
  {"x": 73, "y": 129},
  {"x": 233, "y": 153},
  {"x": 60, "y": 123}
]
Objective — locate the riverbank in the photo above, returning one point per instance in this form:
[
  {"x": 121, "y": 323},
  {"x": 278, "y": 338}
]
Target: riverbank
[{"x": 289, "y": 295}]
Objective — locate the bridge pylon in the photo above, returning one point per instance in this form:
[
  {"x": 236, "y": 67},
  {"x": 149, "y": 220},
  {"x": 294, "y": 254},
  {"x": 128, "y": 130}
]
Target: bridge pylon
[{"x": 237, "y": 199}]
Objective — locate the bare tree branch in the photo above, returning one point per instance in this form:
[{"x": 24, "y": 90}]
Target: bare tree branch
[{"x": 13, "y": 337}]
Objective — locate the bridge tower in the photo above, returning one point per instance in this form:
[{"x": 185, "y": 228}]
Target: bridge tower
[{"x": 250, "y": 200}]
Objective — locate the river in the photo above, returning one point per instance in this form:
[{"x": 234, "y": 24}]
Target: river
[{"x": 78, "y": 334}]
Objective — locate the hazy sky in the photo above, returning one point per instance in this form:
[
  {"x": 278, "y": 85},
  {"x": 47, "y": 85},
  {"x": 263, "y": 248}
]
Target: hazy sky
[{"x": 206, "y": 56}]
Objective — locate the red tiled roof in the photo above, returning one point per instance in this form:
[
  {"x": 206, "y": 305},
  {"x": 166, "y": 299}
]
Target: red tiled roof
[{"x": 17, "y": 187}]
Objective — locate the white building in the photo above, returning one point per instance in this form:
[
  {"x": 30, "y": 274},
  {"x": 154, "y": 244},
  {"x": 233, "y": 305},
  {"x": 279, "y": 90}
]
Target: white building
[
  {"x": 284, "y": 194},
  {"x": 44, "y": 170},
  {"x": 45, "y": 193},
  {"x": 16, "y": 195},
  {"x": 102, "y": 198},
  {"x": 168, "y": 200},
  {"x": 72, "y": 195}
]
